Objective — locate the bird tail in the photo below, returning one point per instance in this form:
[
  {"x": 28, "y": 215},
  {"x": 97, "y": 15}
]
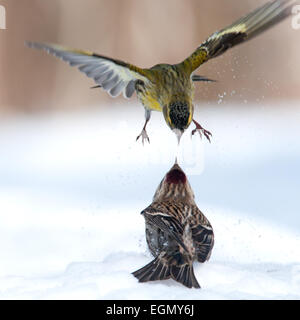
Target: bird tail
[
  {"x": 185, "y": 275},
  {"x": 159, "y": 270}
]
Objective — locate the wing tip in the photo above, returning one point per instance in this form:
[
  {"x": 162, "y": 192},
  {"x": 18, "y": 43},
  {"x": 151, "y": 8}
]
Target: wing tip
[
  {"x": 30, "y": 44},
  {"x": 40, "y": 45}
]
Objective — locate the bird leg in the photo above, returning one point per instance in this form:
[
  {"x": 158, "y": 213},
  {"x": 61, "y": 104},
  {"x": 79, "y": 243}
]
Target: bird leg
[
  {"x": 143, "y": 133},
  {"x": 201, "y": 131}
]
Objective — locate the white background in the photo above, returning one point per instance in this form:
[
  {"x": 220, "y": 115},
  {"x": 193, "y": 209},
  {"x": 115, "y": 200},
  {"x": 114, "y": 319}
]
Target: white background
[{"x": 72, "y": 186}]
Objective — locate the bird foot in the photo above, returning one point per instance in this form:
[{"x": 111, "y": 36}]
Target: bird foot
[
  {"x": 201, "y": 131},
  {"x": 144, "y": 136}
]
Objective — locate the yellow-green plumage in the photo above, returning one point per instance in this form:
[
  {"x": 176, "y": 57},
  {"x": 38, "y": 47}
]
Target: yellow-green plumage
[
  {"x": 169, "y": 83},
  {"x": 170, "y": 88}
]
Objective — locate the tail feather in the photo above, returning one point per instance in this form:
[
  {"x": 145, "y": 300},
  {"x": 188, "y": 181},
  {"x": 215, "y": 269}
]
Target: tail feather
[
  {"x": 155, "y": 270},
  {"x": 158, "y": 270},
  {"x": 185, "y": 275}
]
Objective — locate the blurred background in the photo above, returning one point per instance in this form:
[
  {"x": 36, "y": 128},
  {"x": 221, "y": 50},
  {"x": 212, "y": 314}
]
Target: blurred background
[{"x": 144, "y": 33}]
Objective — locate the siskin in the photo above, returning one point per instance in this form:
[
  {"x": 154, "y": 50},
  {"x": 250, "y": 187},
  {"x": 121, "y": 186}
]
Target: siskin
[
  {"x": 177, "y": 232},
  {"x": 165, "y": 87}
]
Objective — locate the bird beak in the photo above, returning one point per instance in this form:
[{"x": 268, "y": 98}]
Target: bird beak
[{"x": 175, "y": 166}]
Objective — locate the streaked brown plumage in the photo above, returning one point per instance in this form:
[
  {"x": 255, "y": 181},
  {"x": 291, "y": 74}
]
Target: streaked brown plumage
[
  {"x": 177, "y": 232},
  {"x": 164, "y": 87}
]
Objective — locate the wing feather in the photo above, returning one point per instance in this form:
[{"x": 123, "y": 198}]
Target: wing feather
[
  {"x": 166, "y": 223},
  {"x": 114, "y": 76},
  {"x": 240, "y": 31}
]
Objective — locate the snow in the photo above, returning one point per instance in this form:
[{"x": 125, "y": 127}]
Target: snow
[{"x": 72, "y": 186}]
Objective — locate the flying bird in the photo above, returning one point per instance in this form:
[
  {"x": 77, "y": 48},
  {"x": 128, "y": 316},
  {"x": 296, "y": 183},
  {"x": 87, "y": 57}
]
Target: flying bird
[
  {"x": 165, "y": 87},
  {"x": 177, "y": 232}
]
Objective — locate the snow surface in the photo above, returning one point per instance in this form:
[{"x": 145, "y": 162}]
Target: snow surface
[{"x": 72, "y": 186}]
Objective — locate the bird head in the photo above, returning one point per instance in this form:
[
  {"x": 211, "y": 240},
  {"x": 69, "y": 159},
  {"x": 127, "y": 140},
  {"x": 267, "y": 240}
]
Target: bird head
[
  {"x": 174, "y": 187},
  {"x": 178, "y": 115}
]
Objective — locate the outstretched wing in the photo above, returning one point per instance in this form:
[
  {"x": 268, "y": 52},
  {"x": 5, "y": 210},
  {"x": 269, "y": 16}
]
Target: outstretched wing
[
  {"x": 240, "y": 31},
  {"x": 114, "y": 76}
]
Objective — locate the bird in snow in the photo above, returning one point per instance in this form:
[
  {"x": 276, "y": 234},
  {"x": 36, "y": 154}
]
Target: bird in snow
[{"x": 177, "y": 232}]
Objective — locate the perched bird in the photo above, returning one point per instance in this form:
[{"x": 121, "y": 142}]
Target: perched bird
[
  {"x": 164, "y": 87},
  {"x": 177, "y": 232}
]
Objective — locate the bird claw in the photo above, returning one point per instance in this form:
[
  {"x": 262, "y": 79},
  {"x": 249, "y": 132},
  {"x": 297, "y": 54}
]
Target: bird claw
[
  {"x": 201, "y": 131},
  {"x": 144, "y": 136}
]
